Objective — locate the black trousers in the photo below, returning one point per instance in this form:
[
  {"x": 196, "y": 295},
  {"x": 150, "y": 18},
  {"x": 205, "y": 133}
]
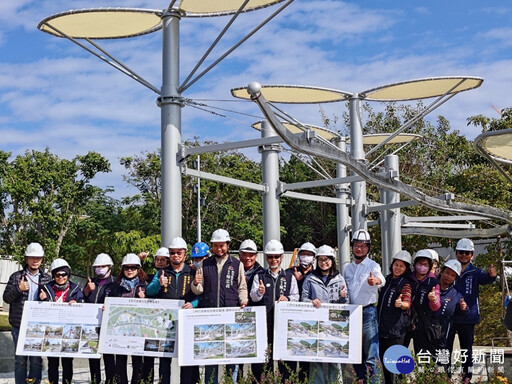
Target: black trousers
[
  {"x": 466, "y": 334},
  {"x": 141, "y": 370},
  {"x": 384, "y": 344},
  {"x": 53, "y": 370},
  {"x": 110, "y": 369},
  {"x": 188, "y": 375}
]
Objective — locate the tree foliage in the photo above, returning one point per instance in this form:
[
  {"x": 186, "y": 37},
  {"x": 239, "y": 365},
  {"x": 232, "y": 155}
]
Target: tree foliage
[{"x": 42, "y": 197}]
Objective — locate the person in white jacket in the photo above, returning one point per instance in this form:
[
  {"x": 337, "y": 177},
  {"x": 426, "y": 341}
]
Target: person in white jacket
[{"x": 324, "y": 285}]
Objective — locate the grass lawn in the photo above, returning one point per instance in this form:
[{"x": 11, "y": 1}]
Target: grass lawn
[{"x": 4, "y": 323}]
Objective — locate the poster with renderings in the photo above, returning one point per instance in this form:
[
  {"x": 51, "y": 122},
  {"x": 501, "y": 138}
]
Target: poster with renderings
[
  {"x": 329, "y": 334},
  {"x": 212, "y": 336},
  {"x": 59, "y": 329},
  {"x": 144, "y": 327}
]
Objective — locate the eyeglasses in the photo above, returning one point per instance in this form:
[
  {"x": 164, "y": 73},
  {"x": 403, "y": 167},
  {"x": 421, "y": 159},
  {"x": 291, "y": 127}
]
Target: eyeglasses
[
  {"x": 174, "y": 252},
  {"x": 162, "y": 260},
  {"x": 61, "y": 274},
  {"x": 467, "y": 253},
  {"x": 130, "y": 267},
  {"x": 360, "y": 245},
  {"x": 324, "y": 260},
  {"x": 273, "y": 257}
]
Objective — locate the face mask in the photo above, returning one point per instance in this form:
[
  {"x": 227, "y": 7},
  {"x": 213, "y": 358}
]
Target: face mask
[
  {"x": 101, "y": 272},
  {"x": 306, "y": 261},
  {"x": 421, "y": 269},
  {"x": 197, "y": 264}
]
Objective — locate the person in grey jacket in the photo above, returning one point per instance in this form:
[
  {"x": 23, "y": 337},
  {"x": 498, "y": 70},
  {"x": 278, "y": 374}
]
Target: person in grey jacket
[
  {"x": 324, "y": 285},
  {"x": 22, "y": 286}
]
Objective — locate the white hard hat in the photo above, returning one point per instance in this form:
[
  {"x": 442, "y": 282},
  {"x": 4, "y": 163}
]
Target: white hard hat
[
  {"x": 220, "y": 236},
  {"x": 465, "y": 245},
  {"x": 361, "y": 235},
  {"x": 404, "y": 256},
  {"x": 162, "y": 252},
  {"x": 274, "y": 247},
  {"x": 248, "y": 246},
  {"x": 34, "y": 250},
  {"x": 131, "y": 259},
  {"x": 307, "y": 247},
  {"x": 453, "y": 265},
  {"x": 435, "y": 255},
  {"x": 423, "y": 253},
  {"x": 102, "y": 259},
  {"x": 178, "y": 243},
  {"x": 325, "y": 250},
  {"x": 59, "y": 263}
]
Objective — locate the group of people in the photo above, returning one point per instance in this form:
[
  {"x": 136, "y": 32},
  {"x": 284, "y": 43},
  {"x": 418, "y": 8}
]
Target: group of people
[{"x": 416, "y": 300}]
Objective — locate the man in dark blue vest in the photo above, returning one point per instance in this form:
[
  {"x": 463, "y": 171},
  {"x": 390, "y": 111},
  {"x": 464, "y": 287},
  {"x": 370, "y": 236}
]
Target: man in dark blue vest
[
  {"x": 271, "y": 285},
  {"x": 223, "y": 283}
]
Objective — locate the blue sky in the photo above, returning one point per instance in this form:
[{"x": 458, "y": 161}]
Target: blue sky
[{"x": 54, "y": 94}]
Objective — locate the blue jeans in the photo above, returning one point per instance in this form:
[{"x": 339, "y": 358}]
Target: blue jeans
[
  {"x": 368, "y": 369},
  {"x": 21, "y": 362}
]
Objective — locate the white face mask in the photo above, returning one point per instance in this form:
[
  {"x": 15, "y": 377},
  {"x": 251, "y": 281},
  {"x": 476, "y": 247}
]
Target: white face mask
[
  {"x": 306, "y": 260},
  {"x": 101, "y": 272},
  {"x": 197, "y": 264}
]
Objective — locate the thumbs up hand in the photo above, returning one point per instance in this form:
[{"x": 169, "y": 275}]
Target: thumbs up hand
[
  {"x": 432, "y": 294},
  {"x": 199, "y": 277},
  {"x": 492, "y": 271},
  {"x": 163, "y": 280},
  {"x": 24, "y": 286},
  {"x": 42, "y": 295},
  {"x": 398, "y": 301},
  {"x": 463, "y": 305},
  {"x": 91, "y": 285},
  {"x": 343, "y": 291},
  {"x": 141, "y": 293},
  {"x": 261, "y": 288},
  {"x": 372, "y": 280}
]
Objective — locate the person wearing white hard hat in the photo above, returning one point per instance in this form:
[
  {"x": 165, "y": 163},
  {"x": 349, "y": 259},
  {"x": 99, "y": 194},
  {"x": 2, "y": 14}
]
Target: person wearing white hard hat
[
  {"x": 435, "y": 262},
  {"x": 131, "y": 283},
  {"x": 364, "y": 278},
  {"x": 426, "y": 298},
  {"x": 270, "y": 286},
  {"x": 394, "y": 307},
  {"x": 306, "y": 255},
  {"x": 24, "y": 285},
  {"x": 452, "y": 304},
  {"x": 324, "y": 285},
  {"x": 248, "y": 253},
  {"x": 471, "y": 278},
  {"x": 94, "y": 292},
  {"x": 61, "y": 290},
  {"x": 174, "y": 283},
  {"x": 223, "y": 281}
]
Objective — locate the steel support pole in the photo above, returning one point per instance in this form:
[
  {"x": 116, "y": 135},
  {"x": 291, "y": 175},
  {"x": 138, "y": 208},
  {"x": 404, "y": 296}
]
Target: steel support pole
[
  {"x": 170, "y": 105},
  {"x": 342, "y": 217},
  {"x": 270, "y": 177},
  {"x": 358, "y": 189},
  {"x": 391, "y": 231},
  {"x": 199, "y": 200}
]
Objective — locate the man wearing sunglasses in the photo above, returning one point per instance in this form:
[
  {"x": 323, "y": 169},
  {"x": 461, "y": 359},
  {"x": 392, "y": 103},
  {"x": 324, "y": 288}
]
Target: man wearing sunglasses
[
  {"x": 22, "y": 286},
  {"x": 470, "y": 279},
  {"x": 271, "y": 285}
]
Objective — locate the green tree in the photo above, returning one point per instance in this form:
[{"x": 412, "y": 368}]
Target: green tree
[{"x": 42, "y": 196}]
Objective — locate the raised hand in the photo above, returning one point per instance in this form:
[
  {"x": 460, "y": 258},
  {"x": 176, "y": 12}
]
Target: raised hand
[
  {"x": 492, "y": 271},
  {"x": 432, "y": 294},
  {"x": 141, "y": 294},
  {"x": 199, "y": 277},
  {"x": 42, "y": 295},
  {"x": 163, "y": 280},
  {"x": 24, "y": 286},
  {"x": 261, "y": 288},
  {"x": 398, "y": 301},
  {"x": 372, "y": 280},
  {"x": 343, "y": 291}
]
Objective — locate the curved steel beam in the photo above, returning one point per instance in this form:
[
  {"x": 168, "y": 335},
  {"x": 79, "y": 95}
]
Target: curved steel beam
[{"x": 315, "y": 146}]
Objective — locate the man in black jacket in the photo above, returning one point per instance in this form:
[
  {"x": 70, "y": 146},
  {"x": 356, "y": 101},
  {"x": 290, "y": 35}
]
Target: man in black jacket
[{"x": 22, "y": 286}]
